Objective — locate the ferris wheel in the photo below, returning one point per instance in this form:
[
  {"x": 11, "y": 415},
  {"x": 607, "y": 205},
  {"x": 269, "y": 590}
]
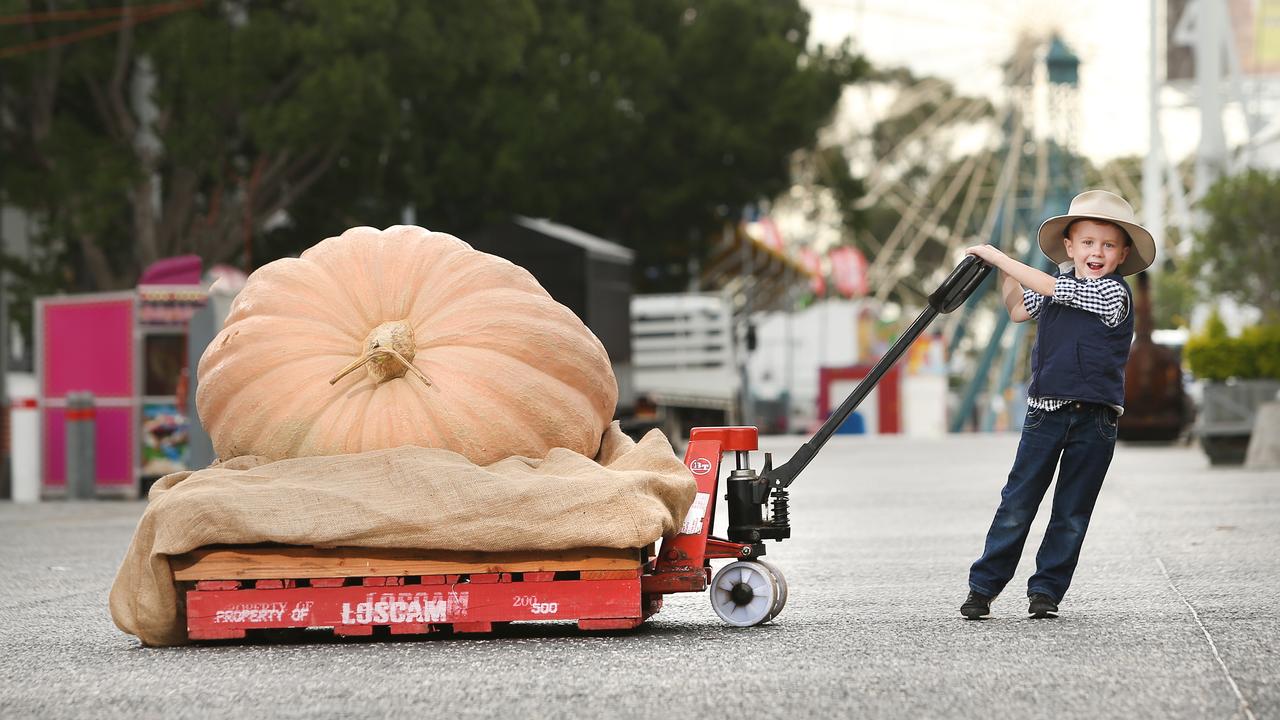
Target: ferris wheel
[{"x": 974, "y": 170}]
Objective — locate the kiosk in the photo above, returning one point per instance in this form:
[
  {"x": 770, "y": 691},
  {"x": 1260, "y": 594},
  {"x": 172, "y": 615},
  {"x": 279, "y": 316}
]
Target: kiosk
[{"x": 128, "y": 349}]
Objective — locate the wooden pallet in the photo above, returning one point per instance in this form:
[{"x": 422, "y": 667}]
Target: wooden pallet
[
  {"x": 271, "y": 562},
  {"x": 234, "y": 589}
]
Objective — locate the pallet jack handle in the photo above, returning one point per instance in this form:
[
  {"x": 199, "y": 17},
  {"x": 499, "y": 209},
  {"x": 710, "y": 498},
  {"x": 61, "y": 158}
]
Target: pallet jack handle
[{"x": 957, "y": 288}]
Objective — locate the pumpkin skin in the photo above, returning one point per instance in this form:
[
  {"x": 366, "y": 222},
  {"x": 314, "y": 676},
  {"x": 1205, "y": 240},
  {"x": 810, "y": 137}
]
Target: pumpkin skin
[{"x": 502, "y": 369}]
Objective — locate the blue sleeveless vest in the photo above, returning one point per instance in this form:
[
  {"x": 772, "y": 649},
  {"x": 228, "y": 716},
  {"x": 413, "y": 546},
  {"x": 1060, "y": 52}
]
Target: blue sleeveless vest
[{"x": 1077, "y": 357}]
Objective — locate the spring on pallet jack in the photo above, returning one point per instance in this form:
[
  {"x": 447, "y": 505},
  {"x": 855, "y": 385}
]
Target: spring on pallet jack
[{"x": 781, "y": 507}]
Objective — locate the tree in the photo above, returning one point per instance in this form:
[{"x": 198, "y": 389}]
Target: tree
[
  {"x": 275, "y": 124},
  {"x": 176, "y": 136},
  {"x": 1237, "y": 253},
  {"x": 647, "y": 121}
]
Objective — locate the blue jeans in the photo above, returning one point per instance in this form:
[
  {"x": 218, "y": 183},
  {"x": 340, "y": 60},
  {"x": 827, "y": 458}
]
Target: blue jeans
[{"x": 1083, "y": 436}]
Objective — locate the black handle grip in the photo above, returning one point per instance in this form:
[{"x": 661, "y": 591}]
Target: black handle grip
[{"x": 959, "y": 285}]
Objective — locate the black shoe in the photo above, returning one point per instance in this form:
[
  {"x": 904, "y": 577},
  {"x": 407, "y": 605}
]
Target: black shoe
[
  {"x": 1042, "y": 606},
  {"x": 976, "y": 607}
]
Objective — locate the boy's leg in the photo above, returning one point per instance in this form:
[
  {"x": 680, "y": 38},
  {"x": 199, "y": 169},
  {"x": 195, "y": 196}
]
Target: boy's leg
[
  {"x": 1091, "y": 443},
  {"x": 1038, "y": 453}
]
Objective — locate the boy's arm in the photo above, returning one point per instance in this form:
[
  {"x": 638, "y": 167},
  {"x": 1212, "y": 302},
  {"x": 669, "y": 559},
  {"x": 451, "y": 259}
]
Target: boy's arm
[
  {"x": 1011, "y": 293},
  {"x": 1030, "y": 278},
  {"x": 1022, "y": 303}
]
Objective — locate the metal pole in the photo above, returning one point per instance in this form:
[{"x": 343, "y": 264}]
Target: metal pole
[
  {"x": 6, "y": 416},
  {"x": 1152, "y": 170},
  {"x": 1212, "y": 154},
  {"x": 72, "y": 423},
  {"x": 80, "y": 460},
  {"x": 6, "y": 483},
  {"x": 744, "y": 360}
]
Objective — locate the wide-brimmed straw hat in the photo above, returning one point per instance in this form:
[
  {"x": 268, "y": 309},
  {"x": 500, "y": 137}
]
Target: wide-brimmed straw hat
[{"x": 1100, "y": 205}]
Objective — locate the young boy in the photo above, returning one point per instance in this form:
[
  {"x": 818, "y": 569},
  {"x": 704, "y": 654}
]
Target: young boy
[{"x": 1076, "y": 391}]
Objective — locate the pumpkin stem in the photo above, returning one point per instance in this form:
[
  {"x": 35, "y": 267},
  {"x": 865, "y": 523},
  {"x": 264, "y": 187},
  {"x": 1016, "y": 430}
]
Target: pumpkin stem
[{"x": 389, "y": 341}]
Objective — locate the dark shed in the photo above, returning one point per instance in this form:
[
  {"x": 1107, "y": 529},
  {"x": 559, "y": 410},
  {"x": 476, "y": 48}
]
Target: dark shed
[{"x": 588, "y": 274}]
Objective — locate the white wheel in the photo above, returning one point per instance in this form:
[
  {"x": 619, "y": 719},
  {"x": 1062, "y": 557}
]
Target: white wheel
[
  {"x": 744, "y": 593},
  {"x": 781, "y": 580}
]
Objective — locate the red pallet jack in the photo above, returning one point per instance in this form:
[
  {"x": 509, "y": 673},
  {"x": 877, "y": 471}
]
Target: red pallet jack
[{"x": 230, "y": 591}]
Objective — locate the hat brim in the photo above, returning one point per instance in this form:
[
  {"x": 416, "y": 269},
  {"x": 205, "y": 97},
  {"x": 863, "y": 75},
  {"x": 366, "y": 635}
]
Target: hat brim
[{"x": 1141, "y": 254}]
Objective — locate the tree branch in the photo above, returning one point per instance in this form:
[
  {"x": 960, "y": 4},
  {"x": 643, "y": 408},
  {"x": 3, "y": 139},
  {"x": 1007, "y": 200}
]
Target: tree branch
[
  {"x": 290, "y": 192},
  {"x": 103, "y": 276},
  {"x": 119, "y": 73},
  {"x": 179, "y": 203}
]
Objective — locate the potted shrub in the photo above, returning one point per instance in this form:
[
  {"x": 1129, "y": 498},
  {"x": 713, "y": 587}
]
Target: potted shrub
[{"x": 1239, "y": 375}]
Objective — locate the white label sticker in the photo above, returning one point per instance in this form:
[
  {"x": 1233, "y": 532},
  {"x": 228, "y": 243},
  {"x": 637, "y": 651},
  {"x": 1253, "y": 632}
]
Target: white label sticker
[
  {"x": 700, "y": 466},
  {"x": 693, "y": 521}
]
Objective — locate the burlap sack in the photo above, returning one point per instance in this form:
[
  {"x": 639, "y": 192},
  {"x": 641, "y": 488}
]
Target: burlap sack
[{"x": 630, "y": 495}]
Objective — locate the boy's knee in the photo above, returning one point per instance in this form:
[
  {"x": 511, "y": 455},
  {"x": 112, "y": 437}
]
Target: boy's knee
[{"x": 1010, "y": 518}]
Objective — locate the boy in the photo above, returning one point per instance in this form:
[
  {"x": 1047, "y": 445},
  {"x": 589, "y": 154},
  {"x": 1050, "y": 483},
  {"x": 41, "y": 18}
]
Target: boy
[{"x": 1076, "y": 391}]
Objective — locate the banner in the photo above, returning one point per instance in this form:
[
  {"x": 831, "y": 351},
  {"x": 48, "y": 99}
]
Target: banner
[
  {"x": 849, "y": 271},
  {"x": 813, "y": 265}
]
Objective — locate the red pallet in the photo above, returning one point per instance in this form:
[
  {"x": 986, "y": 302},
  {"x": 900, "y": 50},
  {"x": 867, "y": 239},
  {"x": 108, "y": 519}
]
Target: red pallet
[
  {"x": 414, "y": 607},
  {"x": 234, "y": 590}
]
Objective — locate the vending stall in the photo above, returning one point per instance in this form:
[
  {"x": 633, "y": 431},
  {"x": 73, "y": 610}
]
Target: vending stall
[{"x": 128, "y": 350}]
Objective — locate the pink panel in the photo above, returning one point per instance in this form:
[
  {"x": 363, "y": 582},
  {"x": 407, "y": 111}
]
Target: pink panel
[
  {"x": 113, "y": 445},
  {"x": 88, "y": 346}
]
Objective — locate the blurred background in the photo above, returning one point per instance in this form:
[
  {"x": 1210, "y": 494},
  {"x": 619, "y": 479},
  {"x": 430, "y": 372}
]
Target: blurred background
[{"x": 746, "y": 200}]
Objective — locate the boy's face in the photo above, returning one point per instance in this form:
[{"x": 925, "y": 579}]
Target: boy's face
[{"x": 1096, "y": 248}]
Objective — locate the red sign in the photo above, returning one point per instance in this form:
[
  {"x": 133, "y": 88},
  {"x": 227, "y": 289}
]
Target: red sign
[
  {"x": 813, "y": 264},
  {"x": 849, "y": 270}
]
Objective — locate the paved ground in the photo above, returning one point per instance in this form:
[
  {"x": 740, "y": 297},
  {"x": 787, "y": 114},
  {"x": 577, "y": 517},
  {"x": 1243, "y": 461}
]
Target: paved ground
[{"x": 1173, "y": 615}]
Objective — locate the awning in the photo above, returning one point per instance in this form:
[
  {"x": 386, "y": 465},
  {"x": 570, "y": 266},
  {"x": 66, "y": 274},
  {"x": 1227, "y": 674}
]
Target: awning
[{"x": 747, "y": 261}]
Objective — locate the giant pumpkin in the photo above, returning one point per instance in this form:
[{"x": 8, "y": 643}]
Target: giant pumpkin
[{"x": 382, "y": 338}]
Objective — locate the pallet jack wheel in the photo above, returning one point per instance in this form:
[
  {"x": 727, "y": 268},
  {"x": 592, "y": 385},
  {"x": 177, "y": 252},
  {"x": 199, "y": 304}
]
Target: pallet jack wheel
[
  {"x": 744, "y": 593},
  {"x": 781, "y": 579}
]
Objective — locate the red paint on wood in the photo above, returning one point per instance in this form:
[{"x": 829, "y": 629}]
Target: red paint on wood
[
  {"x": 410, "y": 629},
  {"x": 382, "y": 581},
  {"x": 609, "y": 574},
  {"x": 274, "y": 584},
  {"x": 216, "y": 634},
  {"x": 218, "y": 585},
  {"x": 349, "y": 608}
]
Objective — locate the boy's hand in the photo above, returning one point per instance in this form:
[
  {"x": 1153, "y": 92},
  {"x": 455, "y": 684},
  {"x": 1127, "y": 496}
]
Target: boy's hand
[
  {"x": 1027, "y": 276},
  {"x": 989, "y": 254}
]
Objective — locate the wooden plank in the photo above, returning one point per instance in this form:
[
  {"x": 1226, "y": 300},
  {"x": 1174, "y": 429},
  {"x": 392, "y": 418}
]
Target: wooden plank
[
  {"x": 230, "y": 562},
  {"x": 609, "y": 574}
]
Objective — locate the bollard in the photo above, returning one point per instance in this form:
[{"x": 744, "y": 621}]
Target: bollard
[
  {"x": 81, "y": 461},
  {"x": 1264, "y": 441},
  {"x": 24, "y": 463}
]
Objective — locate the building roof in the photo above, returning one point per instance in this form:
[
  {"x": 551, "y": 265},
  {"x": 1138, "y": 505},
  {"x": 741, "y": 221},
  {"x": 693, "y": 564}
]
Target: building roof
[{"x": 592, "y": 244}]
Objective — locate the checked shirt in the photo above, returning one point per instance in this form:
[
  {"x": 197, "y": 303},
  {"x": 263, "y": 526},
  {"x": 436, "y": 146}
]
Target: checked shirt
[{"x": 1103, "y": 297}]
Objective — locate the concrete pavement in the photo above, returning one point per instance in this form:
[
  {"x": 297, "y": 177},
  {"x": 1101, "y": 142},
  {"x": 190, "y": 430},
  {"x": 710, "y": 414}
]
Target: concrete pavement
[{"x": 1172, "y": 615}]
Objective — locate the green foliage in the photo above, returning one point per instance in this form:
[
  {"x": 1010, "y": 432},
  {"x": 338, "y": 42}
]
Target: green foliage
[
  {"x": 1173, "y": 296},
  {"x": 1214, "y": 355},
  {"x": 646, "y": 121},
  {"x": 1237, "y": 254},
  {"x": 1262, "y": 344},
  {"x": 280, "y": 122}
]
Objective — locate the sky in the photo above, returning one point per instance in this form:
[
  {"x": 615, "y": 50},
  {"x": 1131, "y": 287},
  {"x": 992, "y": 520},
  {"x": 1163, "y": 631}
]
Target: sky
[{"x": 965, "y": 41}]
